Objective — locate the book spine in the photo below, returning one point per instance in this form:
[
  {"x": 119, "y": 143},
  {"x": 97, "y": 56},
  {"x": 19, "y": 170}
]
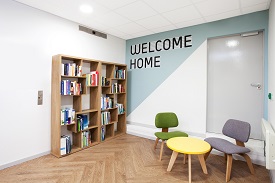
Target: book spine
[
  {"x": 62, "y": 117},
  {"x": 62, "y": 146}
]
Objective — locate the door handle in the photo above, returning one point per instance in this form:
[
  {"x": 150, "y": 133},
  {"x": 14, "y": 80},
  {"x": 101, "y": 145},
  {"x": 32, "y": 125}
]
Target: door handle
[{"x": 257, "y": 85}]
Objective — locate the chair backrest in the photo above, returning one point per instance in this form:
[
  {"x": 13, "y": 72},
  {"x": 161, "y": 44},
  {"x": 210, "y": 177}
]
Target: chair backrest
[
  {"x": 166, "y": 120},
  {"x": 237, "y": 129}
]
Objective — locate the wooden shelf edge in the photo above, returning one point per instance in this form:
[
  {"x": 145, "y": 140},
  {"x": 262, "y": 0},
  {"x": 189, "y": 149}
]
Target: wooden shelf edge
[
  {"x": 87, "y": 111},
  {"x": 79, "y": 77}
]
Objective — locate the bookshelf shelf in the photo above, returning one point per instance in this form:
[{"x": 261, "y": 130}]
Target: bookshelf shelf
[
  {"x": 87, "y": 111},
  {"x": 77, "y": 91},
  {"x": 68, "y": 124},
  {"x": 80, "y": 77}
]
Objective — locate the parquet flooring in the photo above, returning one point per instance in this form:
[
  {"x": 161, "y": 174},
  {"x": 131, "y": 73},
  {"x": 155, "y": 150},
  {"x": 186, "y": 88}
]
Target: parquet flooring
[{"x": 126, "y": 159}]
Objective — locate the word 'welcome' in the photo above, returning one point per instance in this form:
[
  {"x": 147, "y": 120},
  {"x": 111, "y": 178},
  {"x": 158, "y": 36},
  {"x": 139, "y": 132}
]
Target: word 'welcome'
[{"x": 156, "y": 46}]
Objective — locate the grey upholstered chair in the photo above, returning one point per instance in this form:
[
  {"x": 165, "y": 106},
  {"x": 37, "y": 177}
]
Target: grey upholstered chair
[{"x": 238, "y": 130}]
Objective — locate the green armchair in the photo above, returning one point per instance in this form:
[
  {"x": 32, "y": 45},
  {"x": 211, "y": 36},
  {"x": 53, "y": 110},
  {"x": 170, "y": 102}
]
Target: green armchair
[{"x": 166, "y": 120}]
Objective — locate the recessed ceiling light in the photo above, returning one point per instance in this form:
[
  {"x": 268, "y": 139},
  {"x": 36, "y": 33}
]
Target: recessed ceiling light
[{"x": 86, "y": 8}]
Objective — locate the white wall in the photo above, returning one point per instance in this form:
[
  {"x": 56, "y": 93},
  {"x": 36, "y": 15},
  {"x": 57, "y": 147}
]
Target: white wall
[
  {"x": 28, "y": 40},
  {"x": 191, "y": 94},
  {"x": 271, "y": 69}
]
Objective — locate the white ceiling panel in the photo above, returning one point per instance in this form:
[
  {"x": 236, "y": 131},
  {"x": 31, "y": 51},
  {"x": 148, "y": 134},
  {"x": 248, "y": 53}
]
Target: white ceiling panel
[
  {"x": 221, "y": 16},
  {"x": 113, "y": 19},
  {"x": 197, "y": 1},
  {"x": 131, "y": 28},
  {"x": 117, "y": 33},
  {"x": 255, "y": 8},
  {"x": 183, "y": 14},
  {"x": 136, "y": 11},
  {"x": 134, "y": 18},
  {"x": 212, "y": 7},
  {"x": 115, "y": 3},
  {"x": 144, "y": 33},
  {"x": 190, "y": 23},
  {"x": 165, "y": 28},
  {"x": 246, "y": 3},
  {"x": 164, "y": 6},
  {"x": 153, "y": 22}
]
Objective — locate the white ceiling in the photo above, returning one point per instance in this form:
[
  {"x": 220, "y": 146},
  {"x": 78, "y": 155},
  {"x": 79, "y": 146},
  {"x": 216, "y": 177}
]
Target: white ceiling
[{"x": 134, "y": 18}]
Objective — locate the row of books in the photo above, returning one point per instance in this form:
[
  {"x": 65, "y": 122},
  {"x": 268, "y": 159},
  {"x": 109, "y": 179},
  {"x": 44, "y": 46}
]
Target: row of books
[
  {"x": 86, "y": 139},
  {"x": 104, "y": 81},
  {"x": 106, "y": 102},
  {"x": 82, "y": 122},
  {"x": 120, "y": 108},
  {"x": 70, "y": 87},
  {"x": 117, "y": 88},
  {"x": 105, "y": 118},
  {"x": 65, "y": 144},
  {"x": 71, "y": 69},
  {"x": 92, "y": 78},
  {"x": 67, "y": 116},
  {"x": 120, "y": 74}
]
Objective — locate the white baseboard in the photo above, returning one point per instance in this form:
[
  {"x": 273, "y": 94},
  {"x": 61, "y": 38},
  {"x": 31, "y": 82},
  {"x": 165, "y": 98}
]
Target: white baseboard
[
  {"x": 23, "y": 160},
  {"x": 272, "y": 176},
  {"x": 256, "y": 146}
]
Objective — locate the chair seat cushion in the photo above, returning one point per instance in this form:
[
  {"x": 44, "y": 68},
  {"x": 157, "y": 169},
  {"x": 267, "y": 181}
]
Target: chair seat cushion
[
  {"x": 168, "y": 135},
  {"x": 226, "y": 146}
]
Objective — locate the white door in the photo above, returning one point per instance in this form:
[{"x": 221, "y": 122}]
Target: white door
[{"x": 235, "y": 82}]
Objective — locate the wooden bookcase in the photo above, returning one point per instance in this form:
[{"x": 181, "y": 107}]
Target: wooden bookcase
[{"x": 86, "y": 102}]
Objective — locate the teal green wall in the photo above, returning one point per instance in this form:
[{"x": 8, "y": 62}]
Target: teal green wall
[{"x": 142, "y": 82}]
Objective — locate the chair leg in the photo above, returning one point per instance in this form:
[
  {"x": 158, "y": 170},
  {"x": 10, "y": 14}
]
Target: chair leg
[
  {"x": 228, "y": 167},
  {"x": 161, "y": 149},
  {"x": 156, "y": 143},
  {"x": 207, "y": 154},
  {"x": 249, "y": 163}
]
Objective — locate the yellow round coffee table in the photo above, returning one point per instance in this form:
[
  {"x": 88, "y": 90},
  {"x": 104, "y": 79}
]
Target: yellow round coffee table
[{"x": 188, "y": 145}]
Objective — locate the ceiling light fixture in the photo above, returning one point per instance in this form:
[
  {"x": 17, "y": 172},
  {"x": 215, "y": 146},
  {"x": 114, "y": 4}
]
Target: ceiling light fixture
[{"x": 86, "y": 8}]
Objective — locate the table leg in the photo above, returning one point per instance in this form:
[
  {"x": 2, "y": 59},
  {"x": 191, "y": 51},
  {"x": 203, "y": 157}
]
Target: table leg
[
  {"x": 189, "y": 167},
  {"x": 172, "y": 160},
  {"x": 184, "y": 159},
  {"x": 202, "y": 162}
]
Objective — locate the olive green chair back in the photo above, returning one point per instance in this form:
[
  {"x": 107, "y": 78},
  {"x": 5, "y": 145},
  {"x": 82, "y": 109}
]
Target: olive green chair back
[{"x": 166, "y": 120}]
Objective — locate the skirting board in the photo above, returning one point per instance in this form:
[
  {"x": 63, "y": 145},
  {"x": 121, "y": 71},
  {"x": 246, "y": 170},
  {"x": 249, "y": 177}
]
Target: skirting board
[
  {"x": 272, "y": 175},
  {"x": 23, "y": 160},
  {"x": 256, "y": 146}
]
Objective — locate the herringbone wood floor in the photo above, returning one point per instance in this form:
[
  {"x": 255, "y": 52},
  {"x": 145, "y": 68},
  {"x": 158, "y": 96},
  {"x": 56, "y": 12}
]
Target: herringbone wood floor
[{"x": 128, "y": 159}]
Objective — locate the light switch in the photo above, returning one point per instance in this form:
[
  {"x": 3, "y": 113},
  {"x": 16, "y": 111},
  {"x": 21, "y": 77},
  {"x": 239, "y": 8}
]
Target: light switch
[{"x": 40, "y": 97}]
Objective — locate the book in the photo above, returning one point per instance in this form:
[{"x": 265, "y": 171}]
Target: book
[
  {"x": 62, "y": 69},
  {"x": 102, "y": 133},
  {"x": 82, "y": 122},
  {"x": 79, "y": 123},
  {"x": 79, "y": 72},
  {"x": 63, "y": 145},
  {"x": 62, "y": 115},
  {"x": 68, "y": 144},
  {"x": 94, "y": 78},
  {"x": 85, "y": 121}
]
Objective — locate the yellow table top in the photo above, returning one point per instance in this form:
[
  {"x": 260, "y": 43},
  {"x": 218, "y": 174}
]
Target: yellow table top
[{"x": 188, "y": 145}]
